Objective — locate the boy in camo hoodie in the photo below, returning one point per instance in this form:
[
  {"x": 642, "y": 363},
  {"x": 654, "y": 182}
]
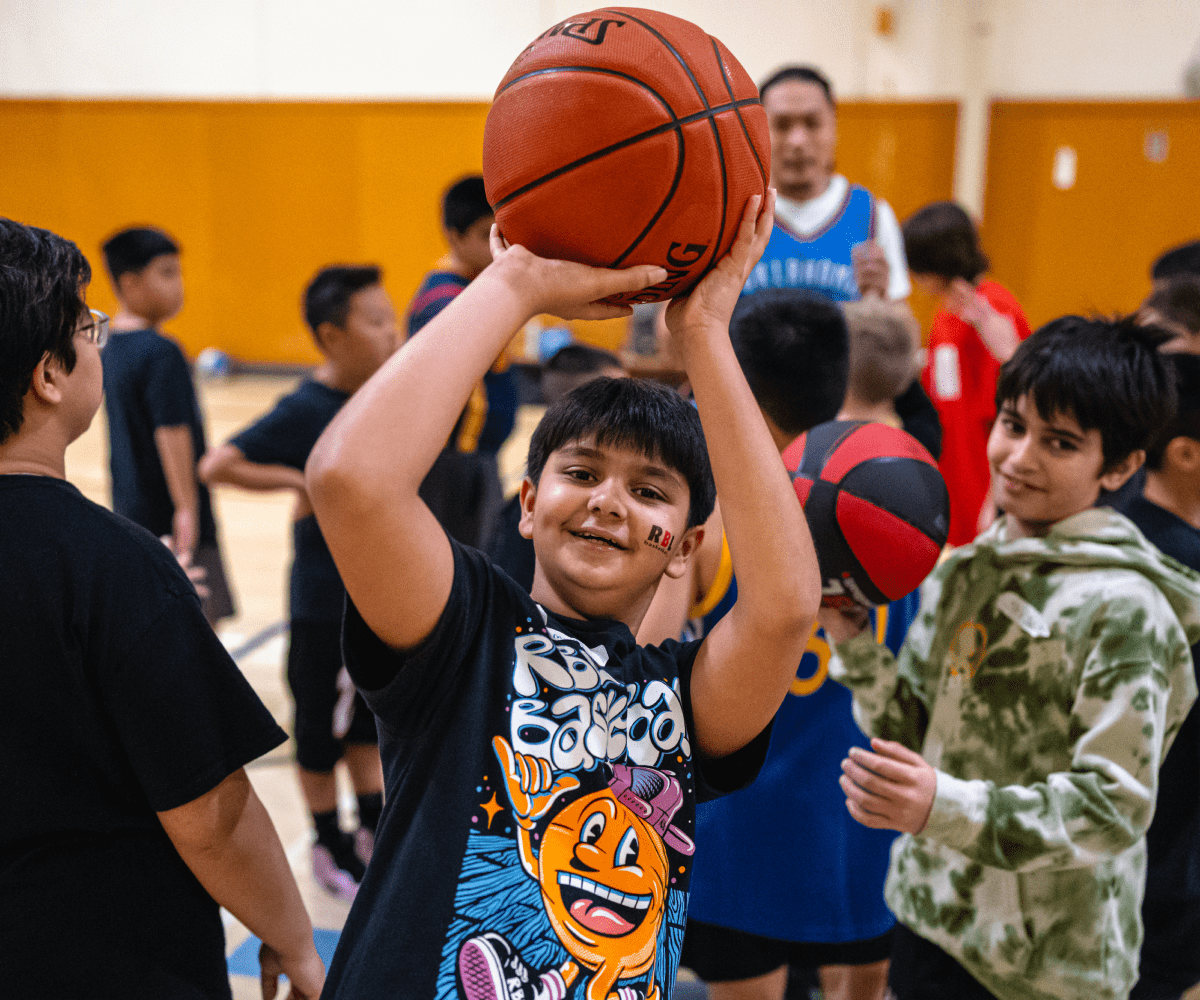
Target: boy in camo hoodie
[{"x": 1020, "y": 730}]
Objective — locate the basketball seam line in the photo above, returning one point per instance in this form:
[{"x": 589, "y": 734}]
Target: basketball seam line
[
  {"x": 661, "y": 208},
  {"x": 745, "y": 131},
  {"x": 591, "y": 69},
  {"x": 623, "y": 12},
  {"x": 674, "y": 125}
]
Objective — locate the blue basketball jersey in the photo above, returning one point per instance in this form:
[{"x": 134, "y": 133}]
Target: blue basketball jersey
[
  {"x": 820, "y": 262},
  {"x": 784, "y": 858}
]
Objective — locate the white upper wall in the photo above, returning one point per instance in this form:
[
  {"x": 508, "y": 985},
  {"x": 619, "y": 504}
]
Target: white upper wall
[{"x": 401, "y": 49}]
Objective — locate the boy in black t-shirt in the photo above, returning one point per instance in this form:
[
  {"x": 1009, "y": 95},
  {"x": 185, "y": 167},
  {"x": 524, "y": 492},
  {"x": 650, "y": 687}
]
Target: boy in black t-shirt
[
  {"x": 155, "y": 430},
  {"x": 354, "y": 326},
  {"x": 126, "y": 815},
  {"x": 1169, "y": 515},
  {"x": 542, "y": 768}
]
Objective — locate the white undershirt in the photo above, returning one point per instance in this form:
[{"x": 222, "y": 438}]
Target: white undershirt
[{"x": 806, "y": 217}]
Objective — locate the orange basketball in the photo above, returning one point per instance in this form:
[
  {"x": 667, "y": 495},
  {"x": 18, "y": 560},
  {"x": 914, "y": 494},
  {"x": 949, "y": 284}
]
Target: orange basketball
[{"x": 624, "y": 137}]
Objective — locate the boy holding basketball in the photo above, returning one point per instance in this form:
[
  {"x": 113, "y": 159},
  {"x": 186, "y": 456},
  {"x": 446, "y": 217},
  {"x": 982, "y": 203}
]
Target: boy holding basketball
[
  {"x": 1021, "y": 728},
  {"x": 354, "y": 327},
  {"x": 542, "y": 768}
]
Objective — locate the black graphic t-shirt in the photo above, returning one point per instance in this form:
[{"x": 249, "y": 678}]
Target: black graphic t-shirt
[
  {"x": 286, "y": 436},
  {"x": 541, "y": 775}
]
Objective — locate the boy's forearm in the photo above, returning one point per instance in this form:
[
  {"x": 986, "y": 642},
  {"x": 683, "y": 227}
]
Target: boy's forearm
[
  {"x": 227, "y": 465},
  {"x": 228, "y": 841},
  {"x": 178, "y": 461},
  {"x": 885, "y": 702}
]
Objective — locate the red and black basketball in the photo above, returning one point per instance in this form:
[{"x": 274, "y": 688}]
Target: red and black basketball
[
  {"x": 626, "y": 136},
  {"x": 876, "y": 506}
]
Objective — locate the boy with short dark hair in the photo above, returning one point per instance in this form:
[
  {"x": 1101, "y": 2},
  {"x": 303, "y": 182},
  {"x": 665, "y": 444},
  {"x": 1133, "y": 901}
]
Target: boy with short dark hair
[
  {"x": 463, "y": 488},
  {"x": 1168, "y": 513},
  {"x": 1021, "y": 729},
  {"x": 354, "y": 327},
  {"x": 542, "y": 768},
  {"x": 126, "y": 817},
  {"x": 155, "y": 428}
]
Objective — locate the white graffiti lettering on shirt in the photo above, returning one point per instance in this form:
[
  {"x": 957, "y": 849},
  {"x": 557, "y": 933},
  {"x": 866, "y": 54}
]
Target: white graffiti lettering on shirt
[{"x": 573, "y": 713}]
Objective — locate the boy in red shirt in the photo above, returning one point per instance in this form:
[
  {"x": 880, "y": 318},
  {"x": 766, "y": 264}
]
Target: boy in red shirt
[{"x": 976, "y": 330}]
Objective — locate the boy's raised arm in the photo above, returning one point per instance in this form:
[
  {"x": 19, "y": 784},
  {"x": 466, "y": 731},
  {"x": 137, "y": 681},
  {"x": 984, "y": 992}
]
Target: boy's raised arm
[
  {"x": 364, "y": 473},
  {"x": 747, "y": 662}
]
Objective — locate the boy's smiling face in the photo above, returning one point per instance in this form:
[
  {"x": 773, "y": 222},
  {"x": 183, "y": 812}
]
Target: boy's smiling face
[
  {"x": 606, "y": 523},
  {"x": 1046, "y": 470}
]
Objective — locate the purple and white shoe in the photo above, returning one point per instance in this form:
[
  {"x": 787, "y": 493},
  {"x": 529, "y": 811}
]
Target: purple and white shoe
[
  {"x": 336, "y": 881},
  {"x": 489, "y": 968}
]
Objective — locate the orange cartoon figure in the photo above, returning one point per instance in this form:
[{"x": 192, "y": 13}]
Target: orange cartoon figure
[{"x": 602, "y": 870}]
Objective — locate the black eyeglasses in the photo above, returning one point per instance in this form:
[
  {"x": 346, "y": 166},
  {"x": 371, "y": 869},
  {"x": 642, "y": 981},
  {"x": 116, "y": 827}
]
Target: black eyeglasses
[{"x": 97, "y": 330}]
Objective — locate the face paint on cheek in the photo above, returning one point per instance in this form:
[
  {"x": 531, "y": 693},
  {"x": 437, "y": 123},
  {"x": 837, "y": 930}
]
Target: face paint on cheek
[{"x": 660, "y": 539}]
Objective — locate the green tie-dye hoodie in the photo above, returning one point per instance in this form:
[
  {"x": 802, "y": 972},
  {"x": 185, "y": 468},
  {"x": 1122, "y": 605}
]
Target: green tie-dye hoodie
[{"x": 1045, "y": 679}]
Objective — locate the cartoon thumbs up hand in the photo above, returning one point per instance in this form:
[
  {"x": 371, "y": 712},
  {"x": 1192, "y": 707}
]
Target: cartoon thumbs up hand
[{"x": 532, "y": 787}]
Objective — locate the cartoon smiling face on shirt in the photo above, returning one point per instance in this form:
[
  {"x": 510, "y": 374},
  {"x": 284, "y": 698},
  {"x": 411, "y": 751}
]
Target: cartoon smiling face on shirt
[{"x": 603, "y": 876}]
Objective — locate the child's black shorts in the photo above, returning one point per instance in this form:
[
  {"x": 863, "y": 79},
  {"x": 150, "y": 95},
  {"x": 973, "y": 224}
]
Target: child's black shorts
[
  {"x": 719, "y": 954},
  {"x": 920, "y": 970},
  {"x": 314, "y": 662}
]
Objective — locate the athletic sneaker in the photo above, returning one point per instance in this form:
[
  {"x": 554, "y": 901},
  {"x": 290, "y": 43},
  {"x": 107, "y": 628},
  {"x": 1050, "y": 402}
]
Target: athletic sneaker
[
  {"x": 364, "y": 844},
  {"x": 334, "y": 880},
  {"x": 490, "y": 968}
]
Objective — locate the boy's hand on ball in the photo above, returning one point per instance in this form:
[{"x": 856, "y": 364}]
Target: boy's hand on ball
[
  {"x": 711, "y": 303},
  {"x": 890, "y": 789},
  {"x": 565, "y": 289}
]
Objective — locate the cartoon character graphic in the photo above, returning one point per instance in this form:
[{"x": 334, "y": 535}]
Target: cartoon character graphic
[{"x": 602, "y": 871}]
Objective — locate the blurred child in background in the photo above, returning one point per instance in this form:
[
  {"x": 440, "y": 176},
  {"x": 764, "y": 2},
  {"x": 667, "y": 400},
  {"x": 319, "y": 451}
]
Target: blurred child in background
[
  {"x": 976, "y": 330},
  {"x": 155, "y": 429},
  {"x": 463, "y": 488},
  {"x": 354, "y": 327},
  {"x": 1169, "y": 516}
]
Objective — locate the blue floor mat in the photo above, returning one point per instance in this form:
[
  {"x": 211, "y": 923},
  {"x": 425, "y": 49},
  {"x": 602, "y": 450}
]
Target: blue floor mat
[{"x": 244, "y": 960}]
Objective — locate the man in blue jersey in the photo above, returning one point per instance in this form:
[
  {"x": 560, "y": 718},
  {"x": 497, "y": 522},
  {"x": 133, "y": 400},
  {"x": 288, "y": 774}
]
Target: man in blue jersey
[{"x": 830, "y": 236}]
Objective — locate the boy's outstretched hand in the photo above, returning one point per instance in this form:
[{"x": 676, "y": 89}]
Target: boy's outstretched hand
[
  {"x": 890, "y": 789},
  {"x": 711, "y": 302},
  {"x": 565, "y": 289}
]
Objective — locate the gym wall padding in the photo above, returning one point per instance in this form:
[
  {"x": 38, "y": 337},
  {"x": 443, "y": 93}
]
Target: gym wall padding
[
  {"x": 261, "y": 194},
  {"x": 1088, "y": 247}
]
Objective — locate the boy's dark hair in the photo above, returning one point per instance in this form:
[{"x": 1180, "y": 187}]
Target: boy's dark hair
[
  {"x": 1186, "y": 369},
  {"x": 464, "y": 204},
  {"x": 571, "y": 365},
  {"x": 327, "y": 297},
  {"x": 1107, "y": 373},
  {"x": 132, "y": 249},
  {"x": 806, "y": 74},
  {"x": 631, "y": 413},
  {"x": 1177, "y": 261},
  {"x": 793, "y": 347},
  {"x": 1177, "y": 300},
  {"x": 941, "y": 239},
  {"x": 42, "y": 277},
  {"x": 883, "y": 349}
]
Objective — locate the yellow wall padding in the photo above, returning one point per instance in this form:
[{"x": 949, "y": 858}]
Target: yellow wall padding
[
  {"x": 262, "y": 194},
  {"x": 1087, "y": 247}
]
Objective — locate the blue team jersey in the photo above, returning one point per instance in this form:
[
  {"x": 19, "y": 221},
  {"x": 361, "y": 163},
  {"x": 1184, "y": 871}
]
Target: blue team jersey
[
  {"x": 784, "y": 858},
  {"x": 820, "y": 262}
]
